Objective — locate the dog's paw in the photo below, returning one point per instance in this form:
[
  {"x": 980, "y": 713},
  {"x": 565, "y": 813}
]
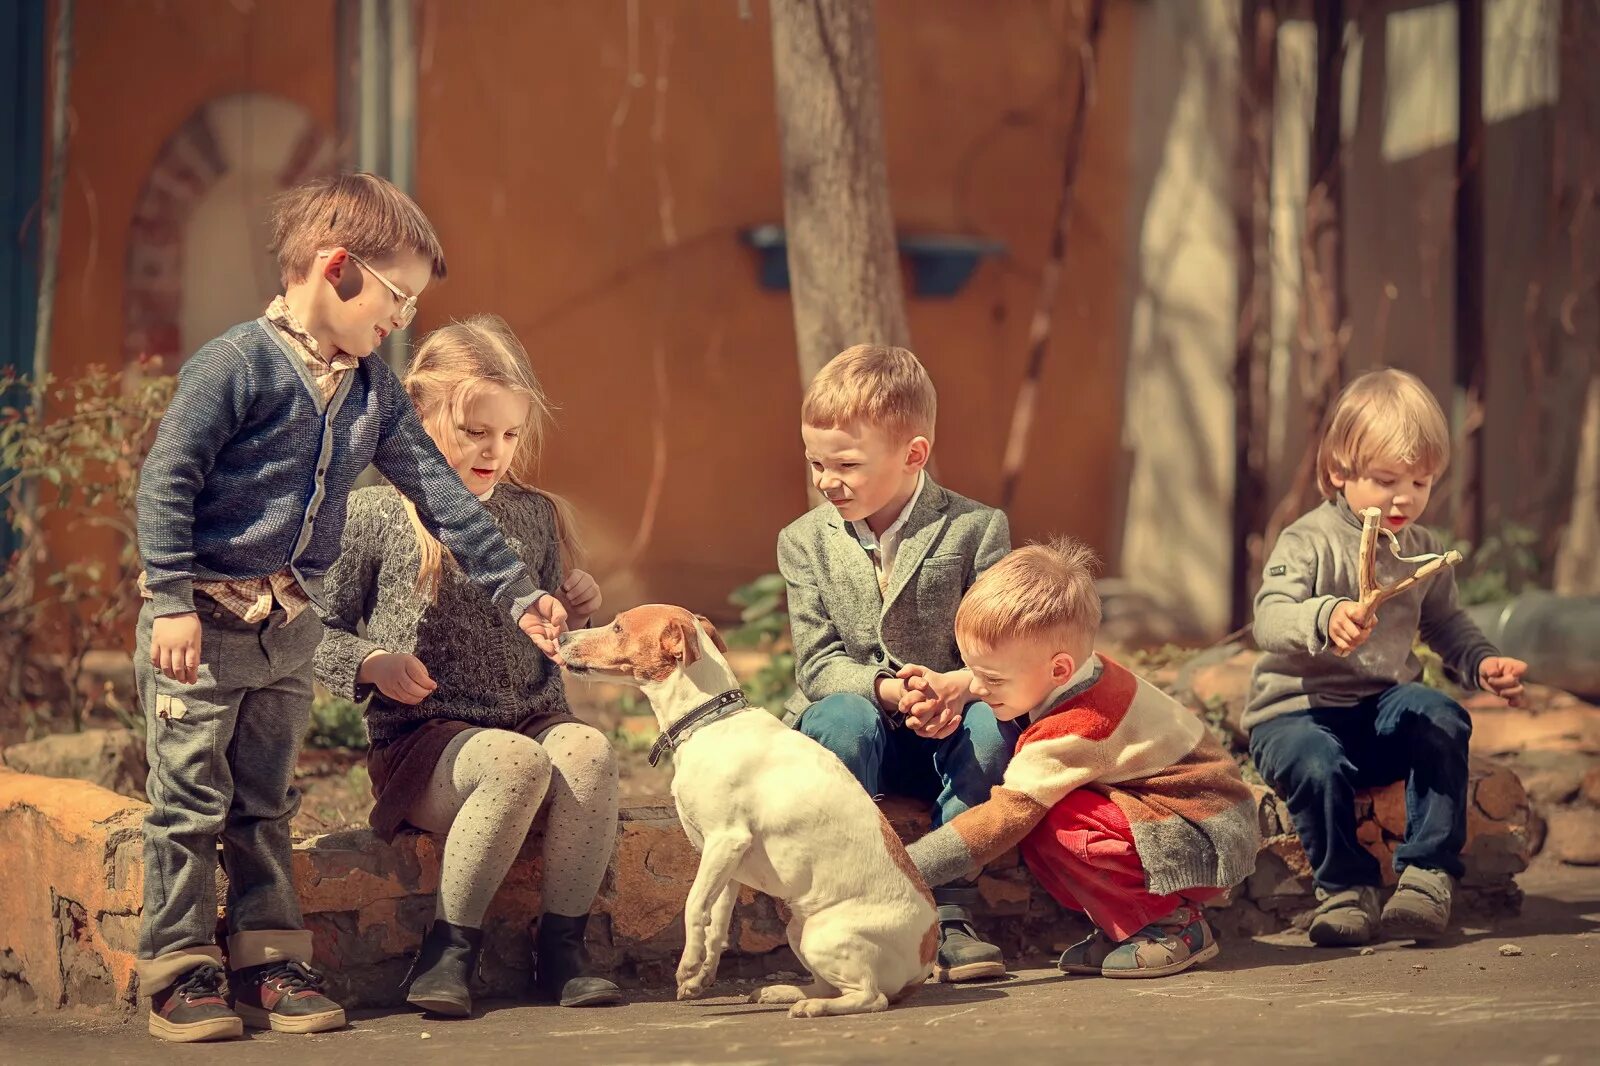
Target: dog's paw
[
  {"x": 692, "y": 989},
  {"x": 808, "y": 1008},
  {"x": 778, "y": 994},
  {"x": 688, "y": 970}
]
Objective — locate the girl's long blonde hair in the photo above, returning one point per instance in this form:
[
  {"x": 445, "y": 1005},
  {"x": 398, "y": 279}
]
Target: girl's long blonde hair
[{"x": 453, "y": 365}]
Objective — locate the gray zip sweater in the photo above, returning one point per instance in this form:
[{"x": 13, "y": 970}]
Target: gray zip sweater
[{"x": 1314, "y": 565}]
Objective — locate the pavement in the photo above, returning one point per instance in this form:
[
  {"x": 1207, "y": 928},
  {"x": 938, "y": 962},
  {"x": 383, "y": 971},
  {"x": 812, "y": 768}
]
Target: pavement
[{"x": 1270, "y": 1000}]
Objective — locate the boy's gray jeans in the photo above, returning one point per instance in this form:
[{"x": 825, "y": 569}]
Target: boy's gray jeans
[{"x": 222, "y": 757}]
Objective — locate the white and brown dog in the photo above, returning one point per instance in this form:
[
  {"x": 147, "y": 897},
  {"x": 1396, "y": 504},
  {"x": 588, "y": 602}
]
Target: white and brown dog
[{"x": 772, "y": 809}]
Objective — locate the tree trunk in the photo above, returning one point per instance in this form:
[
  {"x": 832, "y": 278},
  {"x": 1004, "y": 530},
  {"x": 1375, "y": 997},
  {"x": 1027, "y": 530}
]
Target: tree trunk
[
  {"x": 1470, "y": 364},
  {"x": 1258, "y": 76},
  {"x": 1324, "y": 314},
  {"x": 1576, "y": 569},
  {"x": 844, "y": 273}
]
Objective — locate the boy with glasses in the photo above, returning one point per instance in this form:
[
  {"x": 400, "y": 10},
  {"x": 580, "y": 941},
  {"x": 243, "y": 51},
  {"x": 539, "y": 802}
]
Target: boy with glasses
[{"x": 241, "y": 509}]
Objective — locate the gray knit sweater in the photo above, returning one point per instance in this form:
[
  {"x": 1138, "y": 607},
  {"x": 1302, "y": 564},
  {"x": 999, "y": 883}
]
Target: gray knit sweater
[
  {"x": 1314, "y": 565},
  {"x": 488, "y": 672}
]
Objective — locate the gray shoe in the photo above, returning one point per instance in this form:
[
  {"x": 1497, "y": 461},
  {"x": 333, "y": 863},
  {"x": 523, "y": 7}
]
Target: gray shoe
[
  {"x": 962, "y": 955},
  {"x": 1420, "y": 906},
  {"x": 1345, "y": 919}
]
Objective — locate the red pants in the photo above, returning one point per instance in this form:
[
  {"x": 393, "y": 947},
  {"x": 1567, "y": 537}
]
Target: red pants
[{"x": 1083, "y": 854}]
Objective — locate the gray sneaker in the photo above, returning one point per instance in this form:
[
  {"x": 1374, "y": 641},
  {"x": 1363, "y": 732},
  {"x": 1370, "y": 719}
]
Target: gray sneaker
[
  {"x": 1345, "y": 919},
  {"x": 1420, "y": 906},
  {"x": 962, "y": 955}
]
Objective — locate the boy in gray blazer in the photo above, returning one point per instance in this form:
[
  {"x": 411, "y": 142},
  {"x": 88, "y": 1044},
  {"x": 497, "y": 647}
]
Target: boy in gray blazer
[{"x": 875, "y": 574}]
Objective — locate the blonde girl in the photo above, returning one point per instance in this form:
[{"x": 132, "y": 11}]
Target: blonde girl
[{"x": 470, "y": 729}]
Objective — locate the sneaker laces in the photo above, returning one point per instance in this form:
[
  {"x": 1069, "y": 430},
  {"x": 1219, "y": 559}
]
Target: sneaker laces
[
  {"x": 294, "y": 976},
  {"x": 202, "y": 981}
]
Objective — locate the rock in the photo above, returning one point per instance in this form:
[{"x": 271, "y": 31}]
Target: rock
[
  {"x": 111, "y": 758},
  {"x": 1556, "y": 724},
  {"x": 1369, "y": 951},
  {"x": 1590, "y": 789},
  {"x": 1272, "y": 814},
  {"x": 1496, "y": 791},
  {"x": 71, "y": 889},
  {"x": 1219, "y": 677},
  {"x": 1553, "y": 778},
  {"x": 1574, "y": 836},
  {"x": 1510, "y": 950},
  {"x": 1282, "y": 869}
]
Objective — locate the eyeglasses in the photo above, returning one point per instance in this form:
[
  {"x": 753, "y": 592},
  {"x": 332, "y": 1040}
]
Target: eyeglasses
[{"x": 408, "y": 304}]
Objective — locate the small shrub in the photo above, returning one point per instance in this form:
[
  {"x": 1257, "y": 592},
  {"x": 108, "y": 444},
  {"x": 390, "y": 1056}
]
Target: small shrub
[
  {"x": 1500, "y": 566},
  {"x": 77, "y": 458},
  {"x": 764, "y": 616},
  {"x": 335, "y": 722}
]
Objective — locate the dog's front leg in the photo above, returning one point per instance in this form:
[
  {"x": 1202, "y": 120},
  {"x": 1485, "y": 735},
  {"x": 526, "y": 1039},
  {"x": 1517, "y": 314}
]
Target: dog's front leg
[
  {"x": 723, "y": 850},
  {"x": 717, "y": 935}
]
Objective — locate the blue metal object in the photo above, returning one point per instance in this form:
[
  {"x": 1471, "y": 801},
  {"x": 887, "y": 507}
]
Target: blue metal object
[
  {"x": 22, "y": 31},
  {"x": 941, "y": 264}
]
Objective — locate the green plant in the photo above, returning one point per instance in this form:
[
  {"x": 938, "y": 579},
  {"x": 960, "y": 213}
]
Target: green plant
[
  {"x": 335, "y": 722},
  {"x": 631, "y": 740},
  {"x": 764, "y": 626},
  {"x": 1499, "y": 567},
  {"x": 72, "y": 452},
  {"x": 763, "y": 612}
]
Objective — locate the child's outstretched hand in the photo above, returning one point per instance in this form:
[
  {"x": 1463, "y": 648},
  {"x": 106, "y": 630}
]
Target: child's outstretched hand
[
  {"x": 544, "y": 622},
  {"x": 1350, "y": 625},
  {"x": 1503, "y": 676},
  {"x": 933, "y": 702},
  {"x": 397, "y": 675},
  {"x": 581, "y": 593}
]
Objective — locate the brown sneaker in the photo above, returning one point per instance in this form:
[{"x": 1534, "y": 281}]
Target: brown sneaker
[
  {"x": 285, "y": 997},
  {"x": 195, "y": 1008}
]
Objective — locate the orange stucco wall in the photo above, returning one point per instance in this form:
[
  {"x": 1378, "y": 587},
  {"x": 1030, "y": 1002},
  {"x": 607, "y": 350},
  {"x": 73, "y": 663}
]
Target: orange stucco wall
[
  {"x": 600, "y": 216},
  {"x": 602, "y": 221},
  {"x": 140, "y": 69}
]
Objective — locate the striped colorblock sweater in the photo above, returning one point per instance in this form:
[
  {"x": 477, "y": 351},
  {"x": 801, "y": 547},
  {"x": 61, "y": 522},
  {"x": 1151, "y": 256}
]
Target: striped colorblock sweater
[{"x": 1193, "y": 817}]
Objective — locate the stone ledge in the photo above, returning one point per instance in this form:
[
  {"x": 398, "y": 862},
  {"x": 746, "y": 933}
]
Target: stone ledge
[{"x": 71, "y": 888}]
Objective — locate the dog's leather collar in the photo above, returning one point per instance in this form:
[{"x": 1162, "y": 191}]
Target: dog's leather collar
[{"x": 730, "y": 702}]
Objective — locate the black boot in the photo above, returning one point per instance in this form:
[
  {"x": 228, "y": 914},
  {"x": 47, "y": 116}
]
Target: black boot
[
  {"x": 444, "y": 966},
  {"x": 962, "y": 955},
  {"x": 561, "y": 970}
]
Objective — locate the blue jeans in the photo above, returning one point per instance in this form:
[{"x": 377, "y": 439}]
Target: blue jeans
[
  {"x": 954, "y": 773},
  {"x": 1316, "y": 760}
]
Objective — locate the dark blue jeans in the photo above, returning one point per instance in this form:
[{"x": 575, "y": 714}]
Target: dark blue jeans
[
  {"x": 953, "y": 774},
  {"x": 1316, "y": 760}
]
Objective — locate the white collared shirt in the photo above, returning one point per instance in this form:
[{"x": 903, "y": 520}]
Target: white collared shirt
[{"x": 882, "y": 549}]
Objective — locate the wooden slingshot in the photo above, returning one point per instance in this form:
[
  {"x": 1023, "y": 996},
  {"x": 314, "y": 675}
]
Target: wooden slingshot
[{"x": 1374, "y": 595}]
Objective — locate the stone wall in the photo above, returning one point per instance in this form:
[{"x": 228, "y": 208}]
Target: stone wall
[{"x": 71, "y": 886}]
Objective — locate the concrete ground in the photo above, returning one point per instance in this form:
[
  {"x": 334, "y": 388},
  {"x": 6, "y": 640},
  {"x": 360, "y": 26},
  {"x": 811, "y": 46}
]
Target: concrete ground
[{"x": 1274, "y": 1000}]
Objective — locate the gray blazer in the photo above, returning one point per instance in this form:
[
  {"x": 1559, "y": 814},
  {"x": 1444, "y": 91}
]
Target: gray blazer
[{"x": 846, "y": 633}]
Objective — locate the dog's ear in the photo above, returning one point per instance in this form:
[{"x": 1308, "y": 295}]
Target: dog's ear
[
  {"x": 681, "y": 642},
  {"x": 711, "y": 631}
]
